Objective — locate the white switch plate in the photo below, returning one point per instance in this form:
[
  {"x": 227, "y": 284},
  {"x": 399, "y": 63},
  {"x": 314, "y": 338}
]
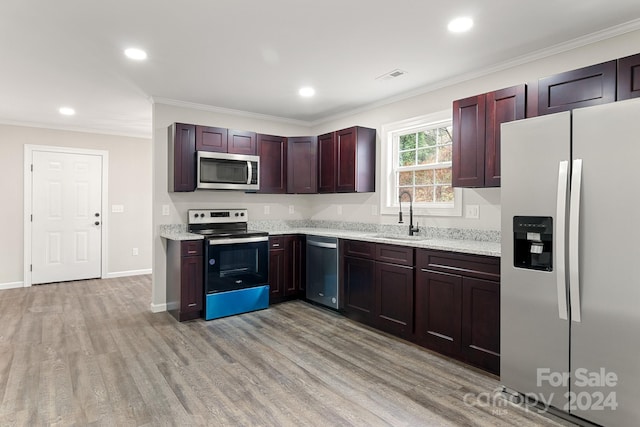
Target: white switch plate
[
  {"x": 292, "y": 209},
  {"x": 117, "y": 208},
  {"x": 267, "y": 209},
  {"x": 472, "y": 212},
  {"x": 165, "y": 210},
  {"x": 339, "y": 208},
  {"x": 134, "y": 251}
]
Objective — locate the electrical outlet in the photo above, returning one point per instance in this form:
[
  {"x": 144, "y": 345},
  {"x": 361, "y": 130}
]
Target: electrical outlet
[
  {"x": 339, "y": 209},
  {"x": 117, "y": 208},
  {"x": 165, "y": 210},
  {"x": 267, "y": 209},
  {"x": 472, "y": 211},
  {"x": 292, "y": 209},
  {"x": 374, "y": 210},
  {"x": 134, "y": 251}
]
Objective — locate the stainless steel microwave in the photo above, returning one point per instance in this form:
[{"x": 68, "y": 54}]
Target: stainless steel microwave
[{"x": 222, "y": 171}]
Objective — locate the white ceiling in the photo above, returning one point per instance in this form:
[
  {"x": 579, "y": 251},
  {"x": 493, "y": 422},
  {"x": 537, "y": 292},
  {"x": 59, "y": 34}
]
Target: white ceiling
[{"x": 253, "y": 55}]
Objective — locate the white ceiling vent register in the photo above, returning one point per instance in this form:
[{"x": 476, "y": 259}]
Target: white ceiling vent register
[{"x": 391, "y": 74}]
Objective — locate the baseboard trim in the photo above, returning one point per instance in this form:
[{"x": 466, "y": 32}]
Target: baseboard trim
[
  {"x": 127, "y": 273},
  {"x": 158, "y": 308},
  {"x": 11, "y": 285}
]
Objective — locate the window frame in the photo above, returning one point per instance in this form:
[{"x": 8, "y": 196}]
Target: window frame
[{"x": 388, "y": 201}]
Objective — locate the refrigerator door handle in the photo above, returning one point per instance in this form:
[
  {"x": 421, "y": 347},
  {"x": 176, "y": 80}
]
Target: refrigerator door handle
[
  {"x": 574, "y": 241},
  {"x": 561, "y": 220}
]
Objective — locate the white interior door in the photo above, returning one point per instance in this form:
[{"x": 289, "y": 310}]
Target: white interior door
[{"x": 67, "y": 216}]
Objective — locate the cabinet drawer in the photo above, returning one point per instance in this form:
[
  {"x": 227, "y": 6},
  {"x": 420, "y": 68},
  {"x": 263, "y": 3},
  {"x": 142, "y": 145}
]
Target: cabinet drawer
[
  {"x": 394, "y": 254},
  {"x": 359, "y": 249},
  {"x": 191, "y": 248},
  {"x": 479, "y": 266},
  {"x": 276, "y": 242}
]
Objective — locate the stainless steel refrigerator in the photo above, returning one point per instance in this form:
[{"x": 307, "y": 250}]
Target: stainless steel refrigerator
[{"x": 570, "y": 265}]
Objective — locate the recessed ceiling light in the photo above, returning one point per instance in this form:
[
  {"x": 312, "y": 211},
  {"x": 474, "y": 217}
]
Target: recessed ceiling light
[
  {"x": 135, "y": 53},
  {"x": 66, "y": 111},
  {"x": 307, "y": 91},
  {"x": 460, "y": 25}
]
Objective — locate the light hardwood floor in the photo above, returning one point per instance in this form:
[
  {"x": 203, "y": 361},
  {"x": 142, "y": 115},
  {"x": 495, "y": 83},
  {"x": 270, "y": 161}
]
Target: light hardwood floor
[{"x": 91, "y": 353}]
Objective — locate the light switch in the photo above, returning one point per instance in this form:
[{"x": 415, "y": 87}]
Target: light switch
[
  {"x": 473, "y": 211},
  {"x": 267, "y": 209},
  {"x": 339, "y": 209},
  {"x": 292, "y": 209},
  {"x": 165, "y": 210}
]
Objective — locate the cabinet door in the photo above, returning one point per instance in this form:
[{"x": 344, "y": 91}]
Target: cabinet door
[
  {"x": 438, "y": 311},
  {"x": 481, "y": 323},
  {"x": 327, "y": 163},
  {"x": 211, "y": 139},
  {"x": 629, "y": 77},
  {"x": 276, "y": 275},
  {"x": 468, "y": 141},
  {"x": 182, "y": 170},
  {"x": 358, "y": 283},
  {"x": 302, "y": 164},
  {"x": 583, "y": 87},
  {"x": 355, "y": 160},
  {"x": 394, "y": 299},
  {"x": 295, "y": 261},
  {"x": 273, "y": 164},
  {"x": 191, "y": 284},
  {"x": 241, "y": 142},
  {"x": 502, "y": 106}
]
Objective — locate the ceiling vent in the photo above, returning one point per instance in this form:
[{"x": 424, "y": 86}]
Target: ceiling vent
[{"x": 391, "y": 74}]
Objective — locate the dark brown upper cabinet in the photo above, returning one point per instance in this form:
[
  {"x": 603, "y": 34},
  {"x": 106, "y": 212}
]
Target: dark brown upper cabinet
[
  {"x": 241, "y": 142},
  {"x": 347, "y": 161},
  {"x": 476, "y": 134},
  {"x": 182, "y": 157},
  {"x": 302, "y": 164},
  {"x": 502, "y": 106},
  {"x": 583, "y": 87},
  {"x": 273, "y": 164},
  {"x": 327, "y": 163},
  {"x": 629, "y": 77},
  {"x": 211, "y": 139},
  {"x": 356, "y": 160},
  {"x": 225, "y": 140}
]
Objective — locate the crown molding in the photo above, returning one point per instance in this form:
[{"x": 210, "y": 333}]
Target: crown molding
[
  {"x": 228, "y": 111},
  {"x": 598, "y": 36},
  {"x": 52, "y": 126}
]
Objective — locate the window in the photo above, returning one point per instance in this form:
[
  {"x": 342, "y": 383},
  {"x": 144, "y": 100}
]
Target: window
[{"x": 418, "y": 161}]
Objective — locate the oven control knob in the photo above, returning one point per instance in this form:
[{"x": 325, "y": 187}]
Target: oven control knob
[
  {"x": 242, "y": 214},
  {"x": 237, "y": 214}
]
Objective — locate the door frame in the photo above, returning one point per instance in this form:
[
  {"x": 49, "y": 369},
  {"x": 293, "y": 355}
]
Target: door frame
[{"x": 28, "y": 202}]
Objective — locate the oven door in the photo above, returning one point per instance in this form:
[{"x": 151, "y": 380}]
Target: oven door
[{"x": 236, "y": 263}]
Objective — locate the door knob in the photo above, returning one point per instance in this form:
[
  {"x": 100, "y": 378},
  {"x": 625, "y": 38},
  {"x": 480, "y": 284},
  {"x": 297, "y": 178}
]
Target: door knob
[
  {"x": 97, "y": 223},
  {"x": 97, "y": 214}
]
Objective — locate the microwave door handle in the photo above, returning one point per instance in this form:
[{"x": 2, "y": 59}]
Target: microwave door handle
[{"x": 249, "y": 172}]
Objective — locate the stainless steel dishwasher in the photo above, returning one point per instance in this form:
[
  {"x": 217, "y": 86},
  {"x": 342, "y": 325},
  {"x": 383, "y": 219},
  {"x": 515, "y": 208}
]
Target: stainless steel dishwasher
[{"x": 322, "y": 270}]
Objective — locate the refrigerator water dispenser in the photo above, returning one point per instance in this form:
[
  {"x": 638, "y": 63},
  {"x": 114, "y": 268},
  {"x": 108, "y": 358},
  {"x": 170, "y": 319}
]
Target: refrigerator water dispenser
[{"x": 533, "y": 242}]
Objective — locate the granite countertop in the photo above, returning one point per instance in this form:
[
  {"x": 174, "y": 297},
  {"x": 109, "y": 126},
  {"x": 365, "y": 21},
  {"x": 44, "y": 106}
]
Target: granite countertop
[
  {"x": 470, "y": 246},
  {"x": 455, "y": 245}
]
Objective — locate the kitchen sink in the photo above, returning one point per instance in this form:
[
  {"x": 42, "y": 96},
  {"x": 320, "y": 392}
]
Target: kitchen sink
[{"x": 398, "y": 237}]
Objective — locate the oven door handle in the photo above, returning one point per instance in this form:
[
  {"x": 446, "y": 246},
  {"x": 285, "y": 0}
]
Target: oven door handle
[{"x": 257, "y": 239}]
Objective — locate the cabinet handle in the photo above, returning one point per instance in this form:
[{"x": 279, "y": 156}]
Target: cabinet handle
[
  {"x": 276, "y": 245},
  {"x": 192, "y": 252},
  {"x": 193, "y": 305}
]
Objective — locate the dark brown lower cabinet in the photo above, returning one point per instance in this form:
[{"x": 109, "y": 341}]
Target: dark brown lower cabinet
[
  {"x": 458, "y": 306},
  {"x": 394, "y": 299},
  {"x": 438, "y": 311},
  {"x": 481, "y": 323},
  {"x": 286, "y": 268},
  {"x": 185, "y": 275},
  {"x": 358, "y": 283}
]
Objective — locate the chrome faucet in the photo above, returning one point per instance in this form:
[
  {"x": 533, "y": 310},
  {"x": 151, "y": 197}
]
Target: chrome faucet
[{"x": 412, "y": 230}]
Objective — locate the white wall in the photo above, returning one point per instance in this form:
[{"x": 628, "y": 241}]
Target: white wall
[
  {"x": 355, "y": 207},
  {"x": 129, "y": 185}
]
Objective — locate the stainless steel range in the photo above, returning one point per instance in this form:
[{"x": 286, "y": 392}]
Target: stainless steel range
[{"x": 236, "y": 260}]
